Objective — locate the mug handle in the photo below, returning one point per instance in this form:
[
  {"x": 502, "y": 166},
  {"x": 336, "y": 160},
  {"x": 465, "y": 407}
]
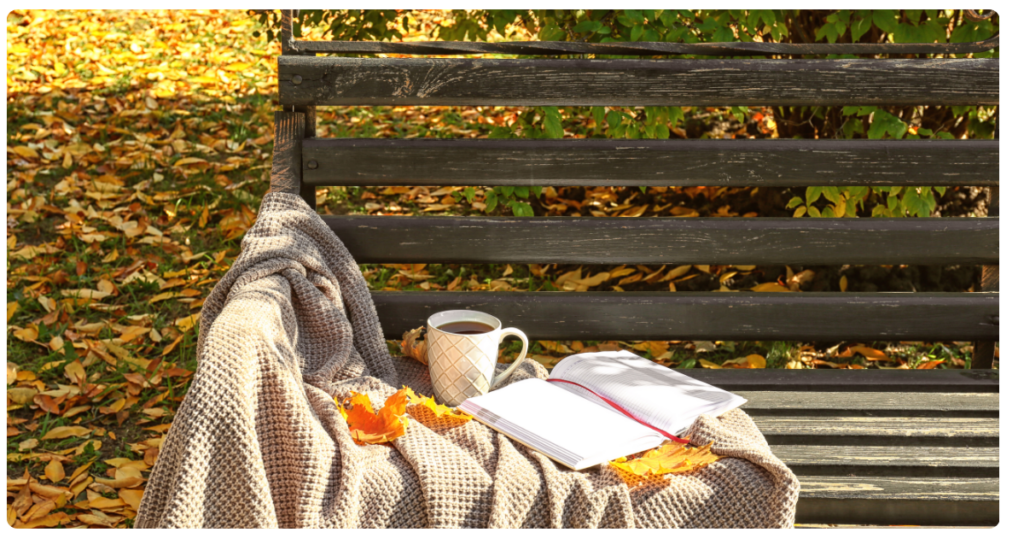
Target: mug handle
[{"x": 522, "y": 354}]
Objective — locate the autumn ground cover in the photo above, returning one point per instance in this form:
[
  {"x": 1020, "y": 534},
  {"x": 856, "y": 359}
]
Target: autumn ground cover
[{"x": 139, "y": 147}]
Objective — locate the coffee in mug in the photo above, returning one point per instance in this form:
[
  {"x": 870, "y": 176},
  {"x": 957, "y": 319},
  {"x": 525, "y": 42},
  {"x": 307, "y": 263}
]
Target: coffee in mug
[{"x": 462, "y": 354}]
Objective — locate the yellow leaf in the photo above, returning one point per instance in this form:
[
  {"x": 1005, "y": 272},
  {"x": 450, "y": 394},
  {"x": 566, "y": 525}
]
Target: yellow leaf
[
  {"x": 21, "y": 395},
  {"x": 657, "y": 348},
  {"x": 12, "y": 307},
  {"x": 438, "y": 410},
  {"x": 668, "y": 458},
  {"x": 237, "y": 66},
  {"x": 54, "y": 471},
  {"x": 870, "y": 354},
  {"x": 745, "y": 268},
  {"x": 75, "y": 372},
  {"x": 756, "y": 361},
  {"x": 163, "y": 297},
  {"x": 12, "y": 372},
  {"x": 708, "y": 364},
  {"x": 28, "y": 334},
  {"x": 188, "y": 160},
  {"x": 769, "y": 286},
  {"x": 85, "y": 294},
  {"x": 63, "y": 432},
  {"x": 131, "y": 496},
  {"x": 186, "y": 322},
  {"x": 703, "y": 268},
  {"x": 112, "y": 257},
  {"x": 25, "y": 152},
  {"x": 413, "y": 346},
  {"x": 842, "y": 283}
]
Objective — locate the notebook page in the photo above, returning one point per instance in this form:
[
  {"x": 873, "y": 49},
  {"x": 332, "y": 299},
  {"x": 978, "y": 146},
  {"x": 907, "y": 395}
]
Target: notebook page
[
  {"x": 568, "y": 429},
  {"x": 661, "y": 396}
]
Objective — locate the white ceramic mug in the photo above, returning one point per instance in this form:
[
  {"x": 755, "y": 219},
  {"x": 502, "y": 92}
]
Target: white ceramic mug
[{"x": 462, "y": 365}]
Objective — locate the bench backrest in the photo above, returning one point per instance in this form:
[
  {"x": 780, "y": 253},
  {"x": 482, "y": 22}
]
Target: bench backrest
[{"x": 303, "y": 162}]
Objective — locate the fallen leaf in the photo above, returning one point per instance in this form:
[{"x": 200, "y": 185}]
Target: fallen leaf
[
  {"x": 12, "y": 307},
  {"x": 843, "y": 283},
  {"x": 12, "y": 372},
  {"x": 439, "y": 410},
  {"x": 368, "y": 427},
  {"x": 63, "y": 432},
  {"x": 54, "y": 471},
  {"x": 929, "y": 365},
  {"x": 28, "y": 334},
  {"x": 413, "y": 347},
  {"x": 708, "y": 364},
  {"x": 669, "y": 458},
  {"x": 21, "y": 395},
  {"x": 870, "y": 354},
  {"x": 133, "y": 497},
  {"x": 770, "y": 286}
]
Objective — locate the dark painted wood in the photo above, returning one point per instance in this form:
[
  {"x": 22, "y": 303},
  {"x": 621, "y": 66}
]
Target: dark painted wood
[
  {"x": 666, "y": 240},
  {"x": 854, "y": 381},
  {"x": 898, "y": 500},
  {"x": 985, "y": 350},
  {"x": 888, "y": 404},
  {"x": 308, "y": 190},
  {"x": 286, "y": 167},
  {"x": 709, "y": 315},
  {"x": 782, "y": 162},
  {"x": 471, "y": 82},
  {"x": 879, "y": 431},
  {"x": 861, "y": 461},
  {"x": 641, "y": 48}
]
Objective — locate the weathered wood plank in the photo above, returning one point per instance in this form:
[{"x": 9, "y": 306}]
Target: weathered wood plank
[
  {"x": 709, "y": 315},
  {"x": 861, "y": 461},
  {"x": 971, "y": 404},
  {"x": 661, "y": 240},
  {"x": 781, "y": 162},
  {"x": 640, "y": 48},
  {"x": 879, "y": 431},
  {"x": 474, "y": 82},
  {"x": 286, "y": 167},
  {"x": 855, "y": 382},
  {"x": 898, "y": 501}
]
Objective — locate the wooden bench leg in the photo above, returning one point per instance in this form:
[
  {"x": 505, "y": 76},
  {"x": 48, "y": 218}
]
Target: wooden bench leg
[{"x": 984, "y": 352}]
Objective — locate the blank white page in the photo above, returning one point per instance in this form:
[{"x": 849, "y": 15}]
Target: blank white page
[
  {"x": 554, "y": 421},
  {"x": 661, "y": 396}
]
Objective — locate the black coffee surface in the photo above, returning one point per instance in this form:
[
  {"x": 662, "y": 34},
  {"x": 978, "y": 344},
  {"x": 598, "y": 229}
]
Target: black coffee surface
[{"x": 466, "y": 327}]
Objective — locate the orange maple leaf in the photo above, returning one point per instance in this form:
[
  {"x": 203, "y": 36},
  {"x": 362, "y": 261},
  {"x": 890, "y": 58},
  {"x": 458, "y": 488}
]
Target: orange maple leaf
[
  {"x": 368, "y": 427},
  {"x": 439, "y": 410},
  {"x": 668, "y": 458}
]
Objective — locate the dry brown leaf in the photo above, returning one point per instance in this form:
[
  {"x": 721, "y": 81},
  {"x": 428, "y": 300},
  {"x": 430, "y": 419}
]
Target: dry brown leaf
[
  {"x": 54, "y": 471},
  {"x": 413, "y": 346},
  {"x": 669, "y": 458},
  {"x": 870, "y": 354},
  {"x": 63, "y": 432}
]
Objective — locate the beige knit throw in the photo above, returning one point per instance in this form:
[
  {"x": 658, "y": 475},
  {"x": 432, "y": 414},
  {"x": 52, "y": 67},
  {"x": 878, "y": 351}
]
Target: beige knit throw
[{"x": 258, "y": 441}]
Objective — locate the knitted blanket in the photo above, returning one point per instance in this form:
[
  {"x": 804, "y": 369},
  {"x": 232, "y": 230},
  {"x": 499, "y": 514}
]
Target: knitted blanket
[{"x": 258, "y": 441}]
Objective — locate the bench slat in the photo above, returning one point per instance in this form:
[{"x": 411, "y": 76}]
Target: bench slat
[
  {"x": 661, "y": 240},
  {"x": 898, "y": 500},
  {"x": 586, "y": 162},
  {"x": 935, "y": 461},
  {"x": 710, "y": 315},
  {"x": 879, "y": 431},
  {"x": 976, "y": 404},
  {"x": 475, "y": 82},
  {"x": 853, "y": 381}
]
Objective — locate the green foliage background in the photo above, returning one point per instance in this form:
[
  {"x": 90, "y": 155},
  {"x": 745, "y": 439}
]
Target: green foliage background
[{"x": 692, "y": 26}]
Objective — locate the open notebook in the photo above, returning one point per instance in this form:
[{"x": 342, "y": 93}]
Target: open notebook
[{"x": 576, "y": 428}]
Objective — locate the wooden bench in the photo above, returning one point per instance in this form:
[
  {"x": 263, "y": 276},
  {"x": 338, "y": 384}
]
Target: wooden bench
[{"x": 870, "y": 446}]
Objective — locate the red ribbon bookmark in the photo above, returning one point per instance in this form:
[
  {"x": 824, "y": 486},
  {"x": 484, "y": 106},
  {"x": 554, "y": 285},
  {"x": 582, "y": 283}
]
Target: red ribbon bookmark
[{"x": 623, "y": 411}]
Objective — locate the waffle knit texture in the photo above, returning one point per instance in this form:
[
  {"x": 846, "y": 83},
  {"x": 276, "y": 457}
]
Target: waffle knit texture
[{"x": 258, "y": 441}]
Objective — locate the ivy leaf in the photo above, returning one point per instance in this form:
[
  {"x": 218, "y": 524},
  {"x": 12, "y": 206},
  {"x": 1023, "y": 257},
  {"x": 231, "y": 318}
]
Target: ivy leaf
[
  {"x": 916, "y": 203},
  {"x": 491, "y": 199},
  {"x": 552, "y": 122},
  {"x": 587, "y": 26},
  {"x": 859, "y": 28},
  {"x": 885, "y": 20},
  {"x": 522, "y": 192},
  {"x": 832, "y": 194},
  {"x": 883, "y": 122},
  {"x": 812, "y": 194}
]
